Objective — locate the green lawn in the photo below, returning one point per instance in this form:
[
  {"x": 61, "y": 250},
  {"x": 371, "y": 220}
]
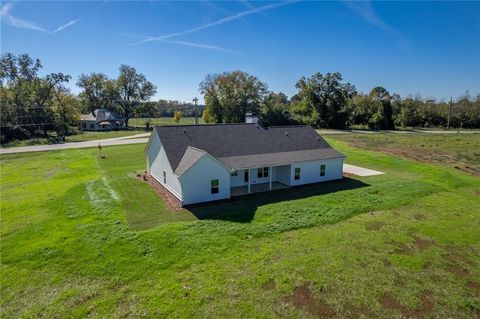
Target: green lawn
[
  {"x": 81, "y": 137},
  {"x": 454, "y": 150},
  {"x": 163, "y": 121},
  {"x": 81, "y": 237}
]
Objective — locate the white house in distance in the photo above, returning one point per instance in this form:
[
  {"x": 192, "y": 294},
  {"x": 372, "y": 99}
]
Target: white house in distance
[
  {"x": 103, "y": 120},
  {"x": 201, "y": 163}
]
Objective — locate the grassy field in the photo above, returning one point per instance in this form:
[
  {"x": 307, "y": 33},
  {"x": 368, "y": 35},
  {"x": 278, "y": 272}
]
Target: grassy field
[
  {"x": 81, "y": 237},
  {"x": 85, "y": 136},
  {"x": 163, "y": 121},
  {"x": 453, "y": 150}
]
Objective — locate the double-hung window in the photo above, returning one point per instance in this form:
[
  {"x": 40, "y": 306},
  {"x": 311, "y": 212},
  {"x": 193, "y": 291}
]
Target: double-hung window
[
  {"x": 297, "y": 173},
  {"x": 262, "y": 172},
  {"x": 322, "y": 170},
  {"x": 214, "y": 186}
]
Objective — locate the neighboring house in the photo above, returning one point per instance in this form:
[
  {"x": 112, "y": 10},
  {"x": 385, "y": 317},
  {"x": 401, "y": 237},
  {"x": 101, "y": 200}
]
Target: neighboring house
[
  {"x": 104, "y": 120},
  {"x": 200, "y": 163}
]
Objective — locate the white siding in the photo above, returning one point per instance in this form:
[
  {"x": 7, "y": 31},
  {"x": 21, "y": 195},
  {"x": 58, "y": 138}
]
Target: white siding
[
  {"x": 196, "y": 180},
  {"x": 157, "y": 163},
  {"x": 238, "y": 180},
  {"x": 310, "y": 171},
  {"x": 282, "y": 174},
  {"x": 254, "y": 179}
]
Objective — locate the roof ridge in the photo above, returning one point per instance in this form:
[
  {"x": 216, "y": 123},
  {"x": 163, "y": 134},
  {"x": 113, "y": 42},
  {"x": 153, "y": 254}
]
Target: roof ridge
[
  {"x": 209, "y": 124},
  {"x": 294, "y": 125},
  {"x": 196, "y": 149}
]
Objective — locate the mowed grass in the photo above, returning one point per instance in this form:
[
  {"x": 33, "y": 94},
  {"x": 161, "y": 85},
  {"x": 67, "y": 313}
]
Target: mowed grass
[
  {"x": 81, "y": 137},
  {"x": 163, "y": 121},
  {"x": 81, "y": 237}
]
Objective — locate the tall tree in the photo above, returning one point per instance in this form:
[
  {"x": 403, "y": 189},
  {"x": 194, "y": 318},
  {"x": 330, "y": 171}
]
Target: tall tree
[
  {"x": 230, "y": 95},
  {"x": 133, "y": 88},
  {"x": 274, "y": 109},
  {"x": 28, "y": 97},
  {"x": 98, "y": 91},
  {"x": 323, "y": 100},
  {"x": 385, "y": 113}
]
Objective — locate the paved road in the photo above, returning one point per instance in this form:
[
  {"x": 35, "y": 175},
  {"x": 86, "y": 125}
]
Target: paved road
[
  {"x": 133, "y": 139},
  {"x": 143, "y": 138}
]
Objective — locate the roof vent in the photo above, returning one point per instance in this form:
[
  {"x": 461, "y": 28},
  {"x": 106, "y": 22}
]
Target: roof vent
[
  {"x": 184, "y": 131},
  {"x": 286, "y": 133}
]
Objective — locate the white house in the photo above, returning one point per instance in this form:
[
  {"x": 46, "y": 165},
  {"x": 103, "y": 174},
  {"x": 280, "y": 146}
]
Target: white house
[
  {"x": 101, "y": 120},
  {"x": 201, "y": 163}
]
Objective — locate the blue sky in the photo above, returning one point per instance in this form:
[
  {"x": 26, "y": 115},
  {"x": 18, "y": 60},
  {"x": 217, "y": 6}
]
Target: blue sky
[{"x": 427, "y": 48}]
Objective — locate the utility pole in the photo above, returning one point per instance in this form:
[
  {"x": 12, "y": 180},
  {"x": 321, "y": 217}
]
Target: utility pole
[
  {"x": 449, "y": 113},
  {"x": 195, "y": 101}
]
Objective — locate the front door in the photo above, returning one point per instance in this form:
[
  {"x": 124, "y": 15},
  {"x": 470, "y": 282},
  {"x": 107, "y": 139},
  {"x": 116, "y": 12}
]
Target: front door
[{"x": 245, "y": 176}]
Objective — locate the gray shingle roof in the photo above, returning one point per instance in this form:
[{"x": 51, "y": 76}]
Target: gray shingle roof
[
  {"x": 190, "y": 157},
  {"x": 245, "y": 145},
  {"x": 102, "y": 115}
]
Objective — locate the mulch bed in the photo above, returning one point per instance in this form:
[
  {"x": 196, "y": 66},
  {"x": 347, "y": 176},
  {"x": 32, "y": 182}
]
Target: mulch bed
[{"x": 170, "y": 201}]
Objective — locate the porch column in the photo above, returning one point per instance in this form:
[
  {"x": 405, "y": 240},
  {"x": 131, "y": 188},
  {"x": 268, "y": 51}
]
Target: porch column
[
  {"x": 270, "y": 172},
  {"x": 249, "y": 178}
]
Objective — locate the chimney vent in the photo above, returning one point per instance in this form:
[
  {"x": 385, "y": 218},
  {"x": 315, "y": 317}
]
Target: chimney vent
[{"x": 251, "y": 118}]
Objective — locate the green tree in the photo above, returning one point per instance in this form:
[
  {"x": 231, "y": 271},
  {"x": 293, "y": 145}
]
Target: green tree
[
  {"x": 27, "y": 98},
  {"x": 384, "y": 116},
  {"x": 274, "y": 109},
  {"x": 361, "y": 109},
  {"x": 133, "y": 88},
  {"x": 97, "y": 91},
  {"x": 322, "y": 100},
  {"x": 230, "y": 95}
]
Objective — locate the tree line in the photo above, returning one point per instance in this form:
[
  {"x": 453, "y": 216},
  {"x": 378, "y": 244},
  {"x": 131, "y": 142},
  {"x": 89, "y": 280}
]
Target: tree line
[
  {"x": 327, "y": 101},
  {"x": 33, "y": 104}
]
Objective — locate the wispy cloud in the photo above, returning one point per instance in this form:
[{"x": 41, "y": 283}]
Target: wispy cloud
[
  {"x": 365, "y": 10},
  {"x": 8, "y": 18},
  {"x": 201, "y": 46},
  {"x": 66, "y": 25},
  {"x": 216, "y": 23}
]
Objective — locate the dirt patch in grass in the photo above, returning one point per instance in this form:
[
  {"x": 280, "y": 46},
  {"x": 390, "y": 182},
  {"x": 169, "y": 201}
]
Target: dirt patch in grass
[
  {"x": 423, "y": 244},
  {"x": 425, "y": 156},
  {"x": 269, "y": 285},
  {"x": 360, "y": 311},
  {"x": 419, "y": 216},
  {"x": 170, "y": 201},
  {"x": 468, "y": 169},
  {"x": 388, "y": 301},
  {"x": 473, "y": 285},
  {"x": 374, "y": 225},
  {"x": 401, "y": 248},
  {"x": 304, "y": 298},
  {"x": 458, "y": 269},
  {"x": 455, "y": 263},
  {"x": 387, "y": 263}
]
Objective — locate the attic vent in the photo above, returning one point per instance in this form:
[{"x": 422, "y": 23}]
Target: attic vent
[{"x": 318, "y": 138}]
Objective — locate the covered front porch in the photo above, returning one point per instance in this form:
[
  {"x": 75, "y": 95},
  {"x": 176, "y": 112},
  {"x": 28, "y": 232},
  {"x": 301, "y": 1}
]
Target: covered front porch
[
  {"x": 259, "y": 179},
  {"x": 256, "y": 188}
]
